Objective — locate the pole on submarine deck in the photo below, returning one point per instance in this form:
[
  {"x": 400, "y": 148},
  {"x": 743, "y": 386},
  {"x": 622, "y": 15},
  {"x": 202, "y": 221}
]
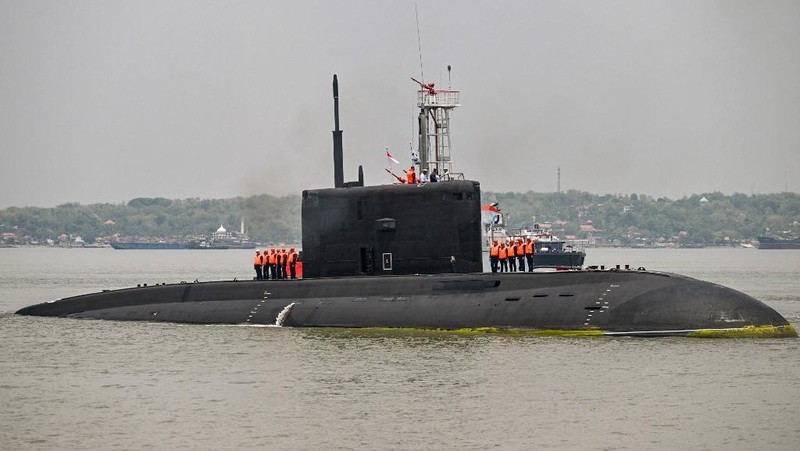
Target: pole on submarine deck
[{"x": 338, "y": 163}]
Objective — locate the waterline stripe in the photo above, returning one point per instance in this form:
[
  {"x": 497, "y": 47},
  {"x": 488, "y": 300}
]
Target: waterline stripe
[{"x": 767, "y": 331}]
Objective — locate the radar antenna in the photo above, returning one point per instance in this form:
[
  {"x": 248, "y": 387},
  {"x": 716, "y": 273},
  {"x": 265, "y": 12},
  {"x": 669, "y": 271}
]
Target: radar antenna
[{"x": 419, "y": 42}]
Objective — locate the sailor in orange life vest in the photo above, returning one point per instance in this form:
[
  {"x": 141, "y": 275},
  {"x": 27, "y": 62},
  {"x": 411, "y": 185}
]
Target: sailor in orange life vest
[
  {"x": 292, "y": 263},
  {"x": 512, "y": 262},
  {"x": 520, "y": 251},
  {"x": 411, "y": 175},
  {"x": 502, "y": 255},
  {"x": 285, "y": 263},
  {"x": 278, "y": 265},
  {"x": 272, "y": 265},
  {"x": 529, "y": 247},
  {"x": 494, "y": 254},
  {"x": 258, "y": 263}
]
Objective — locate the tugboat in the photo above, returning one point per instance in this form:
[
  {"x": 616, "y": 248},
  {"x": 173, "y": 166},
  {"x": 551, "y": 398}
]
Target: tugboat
[{"x": 409, "y": 256}]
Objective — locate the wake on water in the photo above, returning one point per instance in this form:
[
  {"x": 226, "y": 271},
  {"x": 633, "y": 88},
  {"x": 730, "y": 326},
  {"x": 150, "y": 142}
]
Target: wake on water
[{"x": 278, "y": 320}]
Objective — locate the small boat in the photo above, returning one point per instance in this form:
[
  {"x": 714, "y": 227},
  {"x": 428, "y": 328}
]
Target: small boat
[{"x": 551, "y": 251}]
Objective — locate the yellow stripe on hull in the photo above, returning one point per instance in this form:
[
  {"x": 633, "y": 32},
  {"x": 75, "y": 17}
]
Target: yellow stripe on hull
[
  {"x": 496, "y": 330},
  {"x": 767, "y": 331}
]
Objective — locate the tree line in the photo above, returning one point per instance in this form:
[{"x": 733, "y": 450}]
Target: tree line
[
  {"x": 710, "y": 218},
  {"x": 267, "y": 219},
  {"x": 705, "y": 219}
]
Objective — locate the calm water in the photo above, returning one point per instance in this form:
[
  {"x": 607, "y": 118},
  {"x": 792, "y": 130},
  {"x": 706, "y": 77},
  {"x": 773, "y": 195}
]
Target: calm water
[{"x": 99, "y": 385}]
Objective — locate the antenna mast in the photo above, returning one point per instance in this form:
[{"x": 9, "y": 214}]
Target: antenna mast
[
  {"x": 419, "y": 43},
  {"x": 338, "y": 159}
]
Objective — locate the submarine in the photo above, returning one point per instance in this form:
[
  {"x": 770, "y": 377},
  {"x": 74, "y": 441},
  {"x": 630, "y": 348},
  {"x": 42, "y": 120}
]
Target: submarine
[{"x": 409, "y": 256}]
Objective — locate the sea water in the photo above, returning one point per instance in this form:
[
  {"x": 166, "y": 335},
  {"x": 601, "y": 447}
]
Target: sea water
[{"x": 104, "y": 385}]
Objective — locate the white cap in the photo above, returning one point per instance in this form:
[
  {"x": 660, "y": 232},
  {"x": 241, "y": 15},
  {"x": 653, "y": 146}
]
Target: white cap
[{"x": 258, "y": 250}]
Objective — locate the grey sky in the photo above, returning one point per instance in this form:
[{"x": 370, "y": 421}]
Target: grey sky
[{"x": 105, "y": 101}]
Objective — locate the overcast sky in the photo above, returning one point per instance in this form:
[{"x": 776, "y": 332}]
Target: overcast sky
[{"x": 106, "y": 101}]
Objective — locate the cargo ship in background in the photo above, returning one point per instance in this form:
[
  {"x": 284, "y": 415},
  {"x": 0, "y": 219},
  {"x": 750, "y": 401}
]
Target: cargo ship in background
[
  {"x": 765, "y": 242},
  {"x": 145, "y": 245},
  {"x": 220, "y": 239},
  {"x": 410, "y": 256}
]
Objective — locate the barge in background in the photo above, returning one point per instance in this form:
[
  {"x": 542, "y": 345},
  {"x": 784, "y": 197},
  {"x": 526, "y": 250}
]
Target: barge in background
[{"x": 765, "y": 242}]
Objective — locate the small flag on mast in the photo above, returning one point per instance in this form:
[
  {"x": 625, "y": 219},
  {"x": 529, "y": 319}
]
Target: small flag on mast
[{"x": 389, "y": 156}]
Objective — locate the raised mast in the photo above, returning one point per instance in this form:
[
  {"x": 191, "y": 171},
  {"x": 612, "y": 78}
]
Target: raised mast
[
  {"x": 338, "y": 159},
  {"x": 434, "y": 126}
]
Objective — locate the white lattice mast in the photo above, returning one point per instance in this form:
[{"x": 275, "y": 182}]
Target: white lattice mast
[{"x": 434, "y": 126}]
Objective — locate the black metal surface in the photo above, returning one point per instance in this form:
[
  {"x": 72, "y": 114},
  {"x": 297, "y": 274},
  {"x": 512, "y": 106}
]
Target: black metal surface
[
  {"x": 614, "y": 301},
  {"x": 428, "y": 229}
]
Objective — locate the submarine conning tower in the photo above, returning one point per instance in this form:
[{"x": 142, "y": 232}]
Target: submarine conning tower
[{"x": 353, "y": 229}]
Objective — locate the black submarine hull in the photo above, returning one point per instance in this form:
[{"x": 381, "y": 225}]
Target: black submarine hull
[{"x": 610, "y": 302}]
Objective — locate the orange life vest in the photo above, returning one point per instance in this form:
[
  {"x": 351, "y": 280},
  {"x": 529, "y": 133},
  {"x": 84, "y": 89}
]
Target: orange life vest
[
  {"x": 529, "y": 248},
  {"x": 272, "y": 259},
  {"x": 258, "y": 260},
  {"x": 411, "y": 176},
  {"x": 503, "y": 253},
  {"x": 510, "y": 251},
  {"x": 494, "y": 251}
]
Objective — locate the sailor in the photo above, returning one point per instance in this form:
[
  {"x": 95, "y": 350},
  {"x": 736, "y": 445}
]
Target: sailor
[
  {"x": 258, "y": 263},
  {"x": 502, "y": 255},
  {"x": 529, "y": 247},
  {"x": 285, "y": 260},
  {"x": 494, "y": 253},
  {"x": 423, "y": 178},
  {"x": 278, "y": 265},
  {"x": 273, "y": 263},
  {"x": 446, "y": 176},
  {"x": 292, "y": 263},
  {"x": 411, "y": 175},
  {"x": 435, "y": 175},
  {"x": 520, "y": 251},
  {"x": 512, "y": 262}
]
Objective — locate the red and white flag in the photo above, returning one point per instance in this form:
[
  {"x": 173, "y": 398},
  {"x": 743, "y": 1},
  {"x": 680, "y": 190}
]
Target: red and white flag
[{"x": 389, "y": 156}]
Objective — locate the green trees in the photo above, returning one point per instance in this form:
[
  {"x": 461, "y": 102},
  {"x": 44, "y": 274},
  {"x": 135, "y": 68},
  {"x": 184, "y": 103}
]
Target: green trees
[
  {"x": 267, "y": 219},
  {"x": 709, "y": 218}
]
